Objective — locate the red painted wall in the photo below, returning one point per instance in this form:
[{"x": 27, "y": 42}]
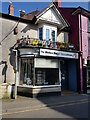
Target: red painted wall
[{"x": 73, "y": 21}]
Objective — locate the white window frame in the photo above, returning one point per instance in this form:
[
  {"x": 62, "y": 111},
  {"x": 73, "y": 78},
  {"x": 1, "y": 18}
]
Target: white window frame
[
  {"x": 50, "y": 27},
  {"x": 42, "y": 33},
  {"x": 47, "y": 34}
]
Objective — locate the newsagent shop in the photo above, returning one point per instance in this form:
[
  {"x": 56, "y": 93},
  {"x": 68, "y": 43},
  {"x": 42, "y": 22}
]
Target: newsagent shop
[{"x": 44, "y": 70}]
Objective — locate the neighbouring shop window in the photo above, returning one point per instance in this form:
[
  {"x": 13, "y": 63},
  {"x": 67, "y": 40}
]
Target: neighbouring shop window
[
  {"x": 41, "y": 33},
  {"x": 88, "y": 77},
  {"x": 47, "y": 76},
  {"x": 47, "y": 34},
  {"x": 26, "y": 72}
]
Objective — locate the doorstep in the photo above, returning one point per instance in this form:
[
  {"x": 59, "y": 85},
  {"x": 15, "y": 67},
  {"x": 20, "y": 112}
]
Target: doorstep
[{"x": 68, "y": 92}]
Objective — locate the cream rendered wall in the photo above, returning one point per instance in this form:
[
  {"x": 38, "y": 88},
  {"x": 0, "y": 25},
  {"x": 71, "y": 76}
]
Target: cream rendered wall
[
  {"x": 62, "y": 36},
  {"x": 24, "y": 29}
]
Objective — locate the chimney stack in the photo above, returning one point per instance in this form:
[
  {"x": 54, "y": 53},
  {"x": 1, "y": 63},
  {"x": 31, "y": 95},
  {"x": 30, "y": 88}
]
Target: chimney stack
[
  {"x": 11, "y": 9},
  {"x": 58, "y": 3}
]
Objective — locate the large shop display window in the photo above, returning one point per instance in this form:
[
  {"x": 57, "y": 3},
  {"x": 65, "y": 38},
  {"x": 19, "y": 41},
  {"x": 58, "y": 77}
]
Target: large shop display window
[
  {"x": 26, "y": 72},
  {"x": 47, "y": 76},
  {"x": 46, "y": 71},
  {"x": 39, "y": 72}
]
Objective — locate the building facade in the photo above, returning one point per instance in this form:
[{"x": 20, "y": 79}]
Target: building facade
[
  {"x": 37, "y": 55},
  {"x": 78, "y": 19}
]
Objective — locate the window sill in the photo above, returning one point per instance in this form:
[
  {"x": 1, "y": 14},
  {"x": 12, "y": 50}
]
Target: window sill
[{"x": 45, "y": 86}]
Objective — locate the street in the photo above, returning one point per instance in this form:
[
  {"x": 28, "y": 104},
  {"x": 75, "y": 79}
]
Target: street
[{"x": 65, "y": 107}]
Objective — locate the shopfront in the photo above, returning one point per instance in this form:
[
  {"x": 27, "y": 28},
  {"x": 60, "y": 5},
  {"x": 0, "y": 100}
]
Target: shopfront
[{"x": 44, "y": 71}]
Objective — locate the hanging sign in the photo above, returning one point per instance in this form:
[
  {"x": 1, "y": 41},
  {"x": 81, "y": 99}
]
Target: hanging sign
[{"x": 55, "y": 53}]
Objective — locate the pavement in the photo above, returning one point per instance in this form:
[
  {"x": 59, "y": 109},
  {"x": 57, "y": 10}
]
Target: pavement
[{"x": 24, "y": 103}]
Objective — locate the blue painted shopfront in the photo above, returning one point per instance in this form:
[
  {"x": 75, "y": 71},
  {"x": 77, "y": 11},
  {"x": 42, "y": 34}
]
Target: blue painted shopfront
[{"x": 69, "y": 74}]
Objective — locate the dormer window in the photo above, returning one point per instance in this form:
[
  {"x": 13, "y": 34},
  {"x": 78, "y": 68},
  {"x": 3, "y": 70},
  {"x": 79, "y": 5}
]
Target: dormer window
[{"x": 46, "y": 32}]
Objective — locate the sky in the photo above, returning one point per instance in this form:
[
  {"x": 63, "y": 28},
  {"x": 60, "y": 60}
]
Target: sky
[{"x": 31, "y": 6}]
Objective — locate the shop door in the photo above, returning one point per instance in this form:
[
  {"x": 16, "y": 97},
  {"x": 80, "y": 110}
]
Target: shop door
[
  {"x": 88, "y": 78},
  {"x": 64, "y": 76}
]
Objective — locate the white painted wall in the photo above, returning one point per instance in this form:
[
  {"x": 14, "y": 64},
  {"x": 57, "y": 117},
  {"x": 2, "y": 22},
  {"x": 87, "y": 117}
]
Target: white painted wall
[
  {"x": 63, "y": 37},
  {"x": 50, "y": 15}
]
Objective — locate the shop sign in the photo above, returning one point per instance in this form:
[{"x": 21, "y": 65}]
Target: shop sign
[{"x": 55, "y": 53}]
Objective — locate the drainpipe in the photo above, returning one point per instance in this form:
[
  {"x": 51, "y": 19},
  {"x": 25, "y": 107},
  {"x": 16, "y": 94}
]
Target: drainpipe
[
  {"x": 15, "y": 74},
  {"x": 81, "y": 59}
]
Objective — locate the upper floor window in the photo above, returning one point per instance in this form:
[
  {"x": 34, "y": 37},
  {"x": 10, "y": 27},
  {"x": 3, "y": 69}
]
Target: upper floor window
[
  {"x": 89, "y": 46},
  {"x": 53, "y": 35},
  {"x": 89, "y": 25},
  {"x": 41, "y": 33},
  {"x": 47, "y": 34}
]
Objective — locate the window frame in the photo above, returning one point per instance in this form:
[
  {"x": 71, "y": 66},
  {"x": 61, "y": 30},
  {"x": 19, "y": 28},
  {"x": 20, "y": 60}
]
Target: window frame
[
  {"x": 52, "y": 35},
  {"x": 47, "y": 26},
  {"x": 88, "y": 47},
  {"x": 41, "y": 33},
  {"x": 47, "y": 34},
  {"x": 88, "y": 24}
]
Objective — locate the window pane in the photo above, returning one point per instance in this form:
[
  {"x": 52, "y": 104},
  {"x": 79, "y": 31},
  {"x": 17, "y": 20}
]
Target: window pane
[
  {"x": 26, "y": 73},
  {"x": 89, "y": 46},
  {"x": 88, "y": 83},
  {"x": 47, "y": 76},
  {"x": 47, "y": 34},
  {"x": 40, "y": 33},
  {"x": 89, "y": 24},
  {"x": 53, "y": 35}
]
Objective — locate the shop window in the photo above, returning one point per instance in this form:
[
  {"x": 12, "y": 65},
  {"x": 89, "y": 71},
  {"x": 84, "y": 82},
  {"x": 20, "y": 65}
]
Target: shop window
[
  {"x": 88, "y": 78},
  {"x": 26, "y": 73},
  {"x": 47, "y": 76},
  {"x": 41, "y": 33}
]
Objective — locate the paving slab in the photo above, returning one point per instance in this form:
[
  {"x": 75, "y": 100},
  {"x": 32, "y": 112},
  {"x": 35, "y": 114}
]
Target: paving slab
[{"x": 27, "y": 103}]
